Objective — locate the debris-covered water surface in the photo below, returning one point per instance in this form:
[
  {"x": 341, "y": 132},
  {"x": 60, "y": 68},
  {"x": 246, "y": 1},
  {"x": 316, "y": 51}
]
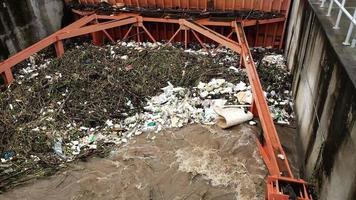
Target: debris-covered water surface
[
  {"x": 193, "y": 162},
  {"x": 58, "y": 110}
]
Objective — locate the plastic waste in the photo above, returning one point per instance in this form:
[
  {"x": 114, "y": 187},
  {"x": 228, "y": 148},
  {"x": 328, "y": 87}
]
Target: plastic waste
[
  {"x": 244, "y": 97},
  {"x": 8, "y": 155},
  {"x": 231, "y": 116},
  {"x": 57, "y": 147}
]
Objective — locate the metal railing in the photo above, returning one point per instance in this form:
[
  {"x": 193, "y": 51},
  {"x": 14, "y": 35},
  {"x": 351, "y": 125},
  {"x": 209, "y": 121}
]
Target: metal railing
[{"x": 342, "y": 12}]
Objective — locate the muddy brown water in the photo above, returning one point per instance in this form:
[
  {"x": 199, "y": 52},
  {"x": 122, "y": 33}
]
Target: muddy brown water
[{"x": 194, "y": 162}]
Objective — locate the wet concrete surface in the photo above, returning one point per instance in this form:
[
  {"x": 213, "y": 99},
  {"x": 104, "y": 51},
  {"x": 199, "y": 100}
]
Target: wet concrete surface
[
  {"x": 346, "y": 54},
  {"x": 194, "y": 162}
]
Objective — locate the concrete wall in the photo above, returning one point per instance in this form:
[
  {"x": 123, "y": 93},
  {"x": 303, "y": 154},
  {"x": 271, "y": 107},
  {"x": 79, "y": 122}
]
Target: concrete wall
[
  {"x": 325, "y": 104},
  {"x": 24, "y": 22}
]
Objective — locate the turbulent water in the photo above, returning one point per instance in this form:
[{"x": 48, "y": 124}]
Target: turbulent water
[{"x": 195, "y": 162}]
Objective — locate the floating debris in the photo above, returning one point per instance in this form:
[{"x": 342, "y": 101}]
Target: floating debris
[{"x": 59, "y": 110}]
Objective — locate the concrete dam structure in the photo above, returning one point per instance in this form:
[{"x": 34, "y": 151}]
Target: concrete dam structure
[
  {"x": 22, "y": 23},
  {"x": 311, "y": 156},
  {"x": 324, "y": 92}
]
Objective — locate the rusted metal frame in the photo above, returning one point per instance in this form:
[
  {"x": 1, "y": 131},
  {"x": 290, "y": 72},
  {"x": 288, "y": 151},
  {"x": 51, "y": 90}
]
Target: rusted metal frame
[
  {"x": 264, "y": 155},
  {"x": 22, "y": 55},
  {"x": 148, "y": 33},
  {"x": 108, "y": 36},
  {"x": 212, "y": 35},
  {"x": 140, "y": 24},
  {"x": 201, "y": 42},
  {"x": 270, "y": 21},
  {"x": 248, "y": 22},
  {"x": 274, "y": 189},
  {"x": 265, "y": 37},
  {"x": 59, "y": 48},
  {"x": 127, "y": 33},
  {"x": 97, "y": 27},
  {"x": 272, "y": 143},
  {"x": 261, "y": 104},
  {"x": 160, "y": 20},
  {"x": 220, "y": 45},
  {"x": 138, "y": 34},
  {"x": 117, "y": 17},
  {"x": 257, "y": 34},
  {"x": 174, "y": 35},
  {"x": 205, "y": 21},
  {"x": 185, "y": 38},
  {"x": 97, "y": 38},
  {"x": 7, "y": 76}
]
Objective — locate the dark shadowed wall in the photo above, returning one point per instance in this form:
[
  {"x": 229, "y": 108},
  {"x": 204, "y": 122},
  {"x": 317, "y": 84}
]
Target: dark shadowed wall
[{"x": 23, "y": 22}]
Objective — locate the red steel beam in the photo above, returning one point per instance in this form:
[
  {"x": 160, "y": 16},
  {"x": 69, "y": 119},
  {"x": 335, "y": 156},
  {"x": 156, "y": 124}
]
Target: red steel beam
[
  {"x": 7, "y": 64},
  {"x": 200, "y": 42},
  {"x": 117, "y": 17},
  {"x": 96, "y": 27},
  {"x": 174, "y": 35},
  {"x": 24, "y": 54},
  {"x": 272, "y": 145},
  {"x": 212, "y": 35},
  {"x": 204, "y": 22}
]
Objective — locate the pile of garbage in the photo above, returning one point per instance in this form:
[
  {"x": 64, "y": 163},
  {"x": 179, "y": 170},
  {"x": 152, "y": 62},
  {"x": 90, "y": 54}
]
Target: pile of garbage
[{"x": 58, "y": 110}]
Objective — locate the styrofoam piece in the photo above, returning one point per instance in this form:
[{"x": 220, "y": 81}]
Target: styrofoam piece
[{"x": 231, "y": 116}]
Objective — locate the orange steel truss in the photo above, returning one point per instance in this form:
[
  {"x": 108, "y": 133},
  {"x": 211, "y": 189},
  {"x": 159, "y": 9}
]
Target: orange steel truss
[
  {"x": 281, "y": 179},
  {"x": 264, "y": 32}
]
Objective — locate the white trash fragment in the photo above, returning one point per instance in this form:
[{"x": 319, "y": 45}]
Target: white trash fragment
[
  {"x": 117, "y": 127},
  {"x": 281, "y": 156},
  {"x": 252, "y": 123},
  {"x": 231, "y": 116},
  {"x": 244, "y": 97},
  {"x": 109, "y": 123},
  {"x": 83, "y": 128},
  {"x": 125, "y": 57},
  {"x": 232, "y": 68},
  {"x": 57, "y": 147},
  {"x": 204, "y": 94},
  {"x": 241, "y": 86}
]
